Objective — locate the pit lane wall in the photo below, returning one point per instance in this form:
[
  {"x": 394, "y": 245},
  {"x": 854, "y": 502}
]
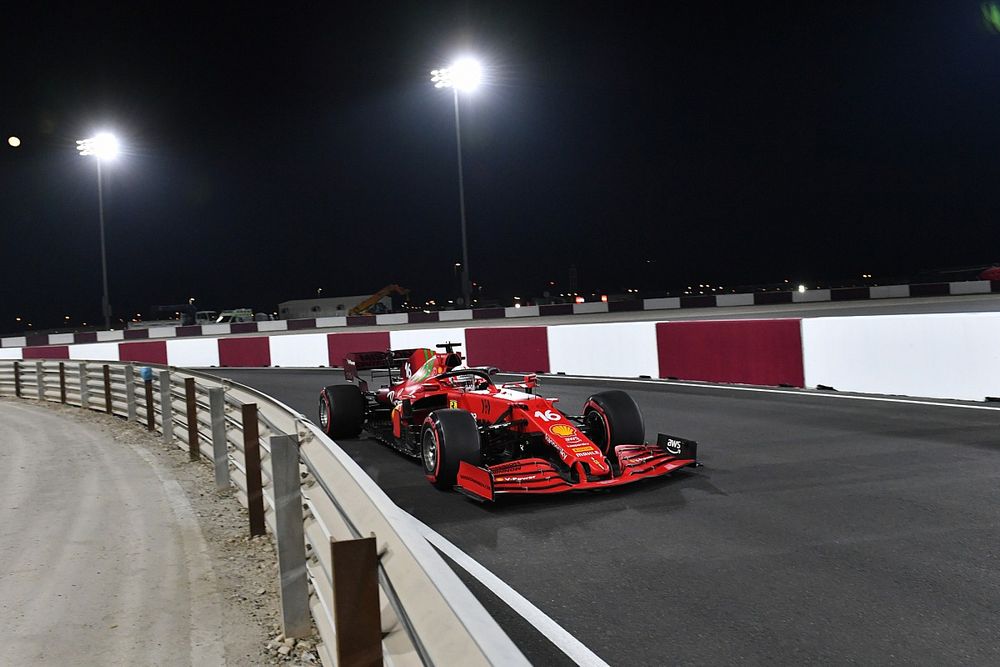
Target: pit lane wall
[{"x": 936, "y": 355}]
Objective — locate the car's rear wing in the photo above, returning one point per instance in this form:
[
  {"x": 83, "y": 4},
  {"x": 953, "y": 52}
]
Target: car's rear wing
[{"x": 388, "y": 360}]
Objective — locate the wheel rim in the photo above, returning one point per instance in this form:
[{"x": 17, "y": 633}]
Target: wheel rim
[
  {"x": 598, "y": 429},
  {"x": 324, "y": 414},
  {"x": 429, "y": 451}
]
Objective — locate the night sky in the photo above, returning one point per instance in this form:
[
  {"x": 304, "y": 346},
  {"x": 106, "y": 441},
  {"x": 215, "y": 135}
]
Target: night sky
[{"x": 274, "y": 151}]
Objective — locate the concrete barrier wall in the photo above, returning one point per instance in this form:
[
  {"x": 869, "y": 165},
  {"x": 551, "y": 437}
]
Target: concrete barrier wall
[
  {"x": 739, "y": 351},
  {"x": 625, "y": 349},
  {"x": 939, "y": 355}
]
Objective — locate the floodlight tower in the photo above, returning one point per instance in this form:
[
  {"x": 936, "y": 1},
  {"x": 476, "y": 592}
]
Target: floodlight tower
[
  {"x": 464, "y": 75},
  {"x": 103, "y": 146}
]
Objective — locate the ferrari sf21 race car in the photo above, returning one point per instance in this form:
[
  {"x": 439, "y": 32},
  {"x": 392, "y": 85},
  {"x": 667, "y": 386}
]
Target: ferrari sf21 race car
[{"x": 485, "y": 439}]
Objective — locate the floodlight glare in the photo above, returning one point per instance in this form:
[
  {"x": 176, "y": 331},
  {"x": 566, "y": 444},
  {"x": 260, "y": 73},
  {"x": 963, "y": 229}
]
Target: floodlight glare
[
  {"x": 103, "y": 146},
  {"x": 464, "y": 74}
]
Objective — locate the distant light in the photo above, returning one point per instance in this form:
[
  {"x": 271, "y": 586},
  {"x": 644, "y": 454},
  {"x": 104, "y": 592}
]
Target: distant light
[
  {"x": 464, "y": 74},
  {"x": 17, "y": 319},
  {"x": 517, "y": 305},
  {"x": 103, "y": 146},
  {"x": 580, "y": 299},
  {"x": 802, "y": 288},
  {"x": 14, "y": 142},
  {"x": 604, "y": 298}
]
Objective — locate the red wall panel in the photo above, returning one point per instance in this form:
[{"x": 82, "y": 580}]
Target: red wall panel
[
  {"x": 508, "y": 348},
  {"x": 339, "y": 344},
  {"x": 151, "y": 352},
  {"x": 251, "y": 351},
  {"x": 766, "y": 352},
  {"x": 46, "y": 352}
]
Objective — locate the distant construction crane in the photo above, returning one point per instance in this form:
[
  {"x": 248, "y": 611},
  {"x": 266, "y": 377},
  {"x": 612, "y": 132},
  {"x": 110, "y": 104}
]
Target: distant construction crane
[{"x": 370, "y": 302}]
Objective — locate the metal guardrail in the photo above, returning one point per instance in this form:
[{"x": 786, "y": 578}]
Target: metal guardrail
[{"x": 311, "y": 496}]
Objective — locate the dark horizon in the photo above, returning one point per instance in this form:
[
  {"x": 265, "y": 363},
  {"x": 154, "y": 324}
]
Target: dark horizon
[{"x": 271, "y": 152}]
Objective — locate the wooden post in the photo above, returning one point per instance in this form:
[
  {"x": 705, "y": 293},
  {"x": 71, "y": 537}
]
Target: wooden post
[
  {"x": 84, "y": 389},
  {"x": 192, "y": 419},
  {"x": 62, "y": 382},
  {"x": 251, "y": 452},
  {"x": 40, "y": 380},
  {"x": 150, "y": 413},
  {"x": 17, "y": 379},
  {"x": 107, "y": 389},
  {"x": 355, "y": 602}
]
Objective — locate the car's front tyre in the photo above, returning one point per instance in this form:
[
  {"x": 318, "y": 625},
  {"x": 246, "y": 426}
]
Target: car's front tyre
[
  {"x": 448, "y": 437},
  {"x": 613, "y": 418}
]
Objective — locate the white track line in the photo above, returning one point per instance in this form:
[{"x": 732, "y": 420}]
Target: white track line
[
  {"x": 880, "y": 399},
  {"x": 551, "y": 630}
]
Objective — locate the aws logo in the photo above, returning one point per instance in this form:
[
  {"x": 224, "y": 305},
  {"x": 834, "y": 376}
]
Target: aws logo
[{"x": 562, "y": 430}]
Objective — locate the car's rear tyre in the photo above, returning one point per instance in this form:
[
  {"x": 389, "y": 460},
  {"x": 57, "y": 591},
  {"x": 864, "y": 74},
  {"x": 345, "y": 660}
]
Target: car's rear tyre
[
  {"x": 341, "y": 411},
  {"x": 612, "y": 418},
  {"x": 448, "y": 437}
]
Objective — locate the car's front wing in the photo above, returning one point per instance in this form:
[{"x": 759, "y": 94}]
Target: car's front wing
[{"x": 538, "y": 476}]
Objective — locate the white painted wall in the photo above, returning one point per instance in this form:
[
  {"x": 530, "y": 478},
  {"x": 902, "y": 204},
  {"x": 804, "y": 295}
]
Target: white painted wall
[
  {"x": 10, "y": 352},
  {"x": 95, "y": 351},
  {"x": 523, "y": 311},
  {"x": 391, "y": 318},
  {"x": 970, "y": 287},
  {"x": 625, "y": 349},
  {"x": 453, "y": 315},
  {"x": 299, "y": 350},
  {"x": 61, "y": 339},
  {"x": 14, "y": 341},
  {"x": 192, "y": 352},
  {"x": 108, "y": 336},
  {"x": 408, "y": 338},
  {"x": 661, "y": 303},
  {"x": 733, "y": 300},
  {"x": 939, "y": 356}
]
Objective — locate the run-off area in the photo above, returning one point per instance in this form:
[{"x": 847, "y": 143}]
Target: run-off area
[{"x": 820, "y": 528}]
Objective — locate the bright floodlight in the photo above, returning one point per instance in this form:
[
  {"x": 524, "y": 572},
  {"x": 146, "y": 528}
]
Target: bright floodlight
[
  {"x": 14, "y": 142},
  {"x": 103, "y": 146},
  {"x": 464, "y": 74}
]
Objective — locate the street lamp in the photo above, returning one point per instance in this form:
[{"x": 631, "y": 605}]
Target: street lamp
[
  {"x": 465, "y": 75},
  {"x": 103, "y": 146}
]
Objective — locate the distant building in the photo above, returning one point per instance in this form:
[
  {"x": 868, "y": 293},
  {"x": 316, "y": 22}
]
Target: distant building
[{"x": 334, "y": 306}]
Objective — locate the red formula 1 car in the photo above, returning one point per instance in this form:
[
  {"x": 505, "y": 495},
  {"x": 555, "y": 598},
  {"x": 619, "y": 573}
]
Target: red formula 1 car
[{"x": 485, "y": 439}]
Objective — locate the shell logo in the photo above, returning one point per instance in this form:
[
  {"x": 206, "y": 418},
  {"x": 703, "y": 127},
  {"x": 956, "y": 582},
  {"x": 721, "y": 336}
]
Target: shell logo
[{"x": 562, "y": 430}]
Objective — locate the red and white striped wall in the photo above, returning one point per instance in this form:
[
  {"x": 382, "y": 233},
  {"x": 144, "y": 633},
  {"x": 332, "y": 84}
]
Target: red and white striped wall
[{"x": 936, "y": 355}]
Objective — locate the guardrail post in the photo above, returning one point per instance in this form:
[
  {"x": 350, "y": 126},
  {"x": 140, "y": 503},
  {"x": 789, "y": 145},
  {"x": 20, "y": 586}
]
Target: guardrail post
[
  {"x": 130, "y": 392},
  {"x": 84, "y": 389},
  {"x": 290, "y": 535},
  {"x": 166, "y": 408},
  {"x": 107, "y": 389},
  {"x": 62, "y": 382},
  {"x": 220, "y": 448},
  {"x": 150, "y": 413},
  {"x": 40, "y": 379},
  {"x": 356, "y": 604},
  {"x": 192, "y": 418},
  {"x": 251, "y": 453},
  {"x": 17, "y": 379}
]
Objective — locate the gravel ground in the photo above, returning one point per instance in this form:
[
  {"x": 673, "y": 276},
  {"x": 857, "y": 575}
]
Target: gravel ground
[{"x": 246, "y": 569}]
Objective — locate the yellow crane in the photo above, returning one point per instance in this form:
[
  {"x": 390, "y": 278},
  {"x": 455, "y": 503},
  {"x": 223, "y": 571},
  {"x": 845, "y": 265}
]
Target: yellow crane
[{"x": 367, "y": 304}]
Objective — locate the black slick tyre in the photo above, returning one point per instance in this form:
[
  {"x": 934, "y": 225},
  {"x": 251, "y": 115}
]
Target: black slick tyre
[
  {"x": 612, "y": 419},
  {"x": 341, "y": 411},
  {"x": 448, "y": 437}
]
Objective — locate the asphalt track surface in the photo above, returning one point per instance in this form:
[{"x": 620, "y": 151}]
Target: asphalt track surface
[
  {"x": 102, "y": 561},
  {"x": 820, "y": 530}
]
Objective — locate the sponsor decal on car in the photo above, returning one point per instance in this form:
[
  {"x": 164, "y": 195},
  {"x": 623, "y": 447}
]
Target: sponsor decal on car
[
  {"x": 452, "y": 403},
  {"x": 674, "y": 446},
  {"x": 586, "y": 449},
  {"x": 562, "y": 430}
]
